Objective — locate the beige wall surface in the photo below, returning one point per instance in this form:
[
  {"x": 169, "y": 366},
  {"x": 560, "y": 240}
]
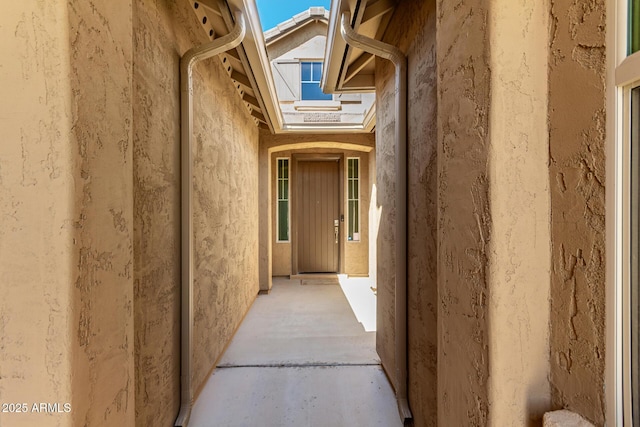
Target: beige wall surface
[
  {"x": 101, "y": 79},
  {"x": 493, "y": 254},
  {"x": 225, "y": 215},
  {"x": 38, "y": 210},
  {"x": 385, "y": 244},
  {"x": 519, "y": 247},
  {"x": 67, "y": 212},
  {"x": 68, "y": 333},
  {"x": 413, "y": 31},
  {"x": 464, "y": 215},
  {"x": 89, "y": 184},
  {"x": 577, "y": 176},
  {"x": 162, "y": 31}
]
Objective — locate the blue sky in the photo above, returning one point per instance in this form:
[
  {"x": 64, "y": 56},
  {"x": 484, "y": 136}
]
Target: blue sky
[{"x": 273, "y": 12}]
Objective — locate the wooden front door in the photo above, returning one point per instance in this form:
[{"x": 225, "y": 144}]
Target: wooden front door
[{"x": 318, "y": 210}]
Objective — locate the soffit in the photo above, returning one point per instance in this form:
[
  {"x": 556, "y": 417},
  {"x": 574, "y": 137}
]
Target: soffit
[
  {"x": 216, "y": 20},
  {"x": 348, "y": 69}
]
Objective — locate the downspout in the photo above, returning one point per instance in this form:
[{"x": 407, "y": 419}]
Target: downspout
[
  {"x": 188, "y": 60},
  {"x": 395, "y": 55}
]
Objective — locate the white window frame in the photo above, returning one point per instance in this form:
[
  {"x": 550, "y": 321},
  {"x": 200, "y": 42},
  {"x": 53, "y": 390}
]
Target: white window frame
[
  {"x": 312, "y": 61},
  {"x": 288, "y": 159},
  {"x": 359, "y": 199},
  {"x": 623, "y": 75}
]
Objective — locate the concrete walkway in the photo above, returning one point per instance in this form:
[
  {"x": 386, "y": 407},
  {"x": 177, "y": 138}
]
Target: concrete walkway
[{"x": 302, "y": 357}]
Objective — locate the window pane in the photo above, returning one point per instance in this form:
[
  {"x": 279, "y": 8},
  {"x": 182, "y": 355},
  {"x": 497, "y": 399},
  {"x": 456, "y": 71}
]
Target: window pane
[
  {"x": 283, "y": 223},
  {"x": 634, "y": 26},
  {"x": 312, "y": 91},
  {"x": 356, "y": 216},
  {"x": 305, "y": 71},
  {"x": 317, "y": 71},
  {"x": 351, "y": 215},
  {"x": 635, "y": 238},
  {"x": 283, "y": 200}
]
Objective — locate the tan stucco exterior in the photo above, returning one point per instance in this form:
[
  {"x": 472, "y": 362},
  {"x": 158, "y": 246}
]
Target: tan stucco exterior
[
  {"x": 414, "y": 32},
  {"x": 577, "y": 180},
  {"x": 495, "y": 200},
  {"x": 67, "y": 228},
  {"x": 90, "y": 207},
  {"x": 37, "y": 199}
]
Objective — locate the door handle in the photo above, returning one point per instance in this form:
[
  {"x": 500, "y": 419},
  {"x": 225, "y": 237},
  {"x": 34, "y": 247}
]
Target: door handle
[{"x": 336, "y": 232}]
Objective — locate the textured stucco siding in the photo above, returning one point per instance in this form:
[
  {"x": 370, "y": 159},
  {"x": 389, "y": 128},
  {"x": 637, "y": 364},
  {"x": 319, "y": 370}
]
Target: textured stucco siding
[
  {"x": 225, "y": 208},
  {"x": 89, "y": 183},
  {"x": 225, "y": 203},
  {"x": 413, "y": 31},
  {"x": 101, "y": 82},
  {"x": 520, "y": 251},
  {"x": 385, "y": 244},
  {"x": 577, "y": 176},
  {"x": 161, "y": 31},
  {"x": 464, "y": 217},
  {"x": 493, "y": 237},
  {"x": 68, "y": 334},
  {"x": 37, "y": 210}
]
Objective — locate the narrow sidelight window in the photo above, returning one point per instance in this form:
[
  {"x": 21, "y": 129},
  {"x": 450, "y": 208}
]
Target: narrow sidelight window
[
  {"x": 634, "y": 26},
  {"x": 283, "y": 200},
  {"x": 353, "y": 198}
]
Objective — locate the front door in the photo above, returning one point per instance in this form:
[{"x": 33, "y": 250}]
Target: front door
[{"x": 318, "y": 214}]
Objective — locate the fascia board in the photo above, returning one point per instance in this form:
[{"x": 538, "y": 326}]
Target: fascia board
[
  {"x": 259, "y": 62},
  {"x": 335, "y": 48}
]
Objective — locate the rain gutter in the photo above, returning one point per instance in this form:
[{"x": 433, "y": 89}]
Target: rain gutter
[{"x": 188, "y": 60}]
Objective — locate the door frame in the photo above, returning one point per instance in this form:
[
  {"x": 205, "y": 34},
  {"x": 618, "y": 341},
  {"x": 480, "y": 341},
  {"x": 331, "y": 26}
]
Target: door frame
[{"x": 293, "y": 188}]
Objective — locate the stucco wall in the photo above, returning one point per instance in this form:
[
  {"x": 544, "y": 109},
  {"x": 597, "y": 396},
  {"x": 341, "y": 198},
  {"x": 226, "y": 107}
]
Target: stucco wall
[
  {"x": 67, "y": 239},
  {"x": 577, "y": 176},
  {"x": 520, "y": 251},
  {"x": 101, "y": 80},
  {"x": 225, "y": 208},
  {"x": 493, "y": 237},
  {"x": 413, "y": 31},
  {"x": 82, "y": 117},
  {"x": 37, "y": 210},
  {"x": 162, "y": 31},
  {"x": 385, "y": 245},
  {"x": 463, "y": 207},
  {"x": 225, "y": 215}
]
